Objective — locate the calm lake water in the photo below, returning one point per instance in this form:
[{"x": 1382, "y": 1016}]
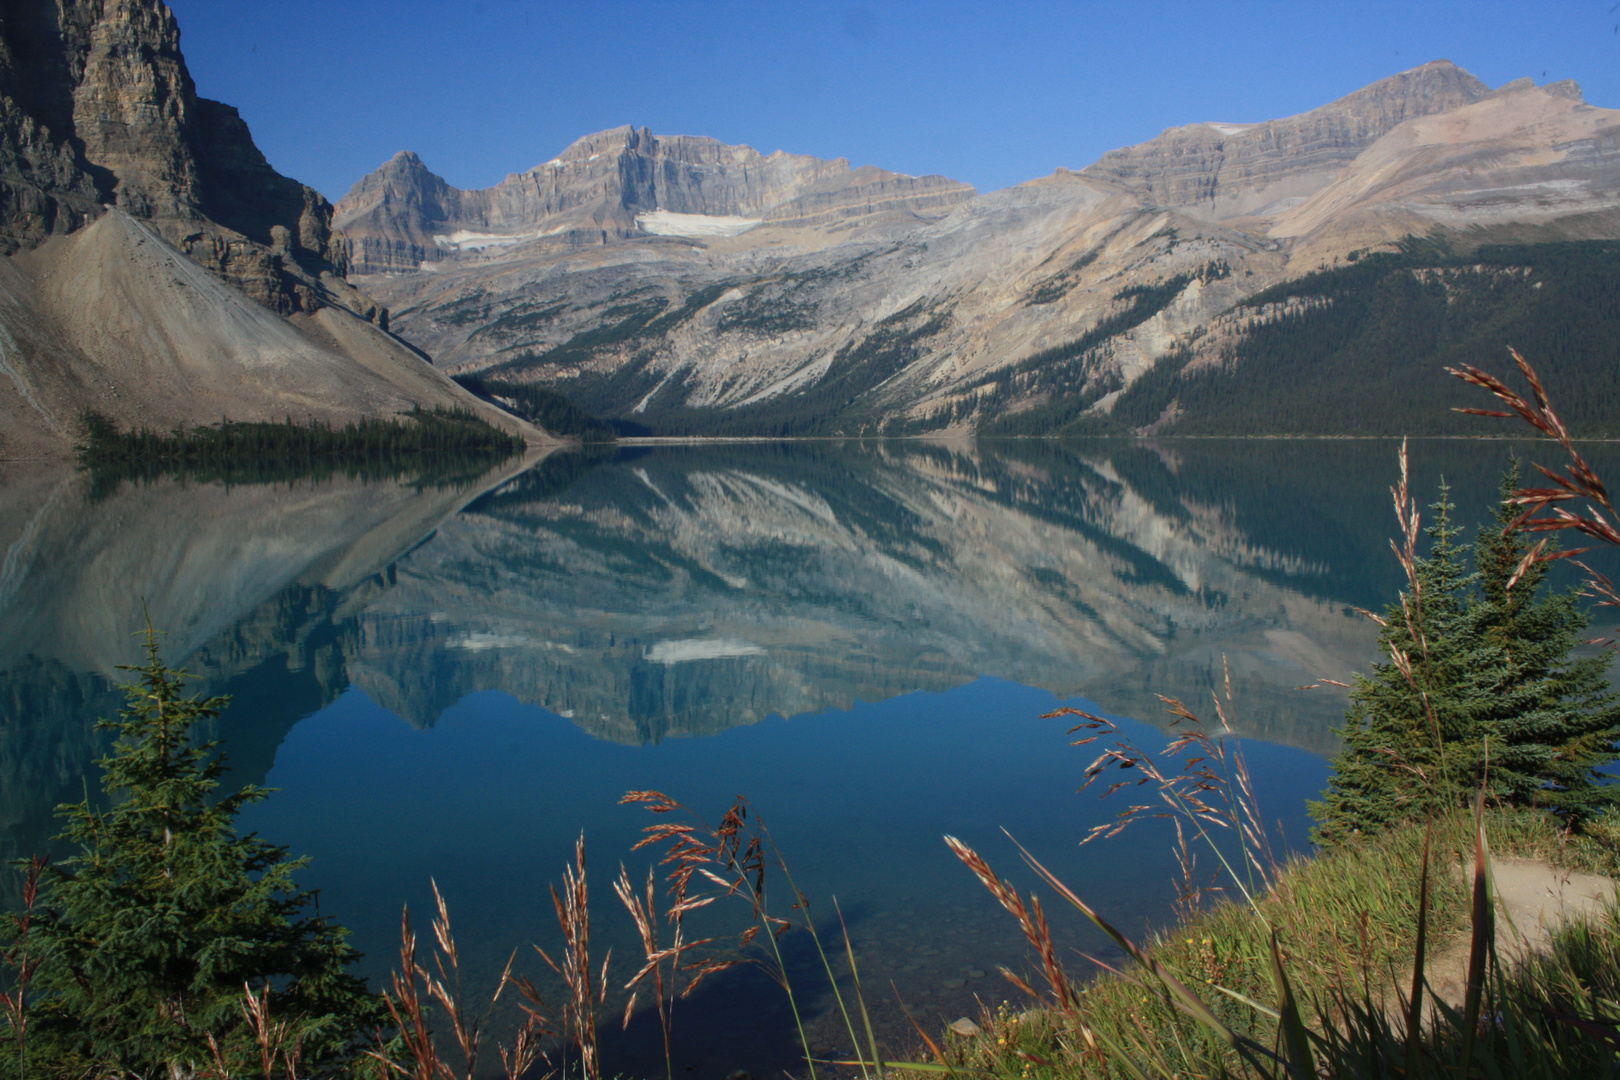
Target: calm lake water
[{"x": 453, "y": 684}]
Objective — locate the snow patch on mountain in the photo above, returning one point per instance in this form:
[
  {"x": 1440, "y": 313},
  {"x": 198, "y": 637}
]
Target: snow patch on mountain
[
  {"x": 667, "y": 223},
  {"x": 463, "y": 240}
]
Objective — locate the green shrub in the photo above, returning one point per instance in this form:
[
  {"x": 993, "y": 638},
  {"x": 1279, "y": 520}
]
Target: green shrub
[{"x": 149, "y": 941}]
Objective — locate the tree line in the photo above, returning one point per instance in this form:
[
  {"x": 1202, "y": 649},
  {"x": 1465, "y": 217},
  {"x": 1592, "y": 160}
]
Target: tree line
[{"x": 437, "y": 444}]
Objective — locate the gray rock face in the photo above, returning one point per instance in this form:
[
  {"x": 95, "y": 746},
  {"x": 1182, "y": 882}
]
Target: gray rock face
[
  {"x": 1223, "y": 171},
  {"x": 593, "y": 192},
  {"x": 116, "y": 183},
  {"x": 97, "y": 107},
  {"x": 46, "y": 185}
]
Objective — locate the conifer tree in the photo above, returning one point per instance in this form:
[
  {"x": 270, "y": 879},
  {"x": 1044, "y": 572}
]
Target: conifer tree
[
  {"x": 148, "y": 935},
  {"x": 1551, "y": 718},
  {"x": 1481, "y": 683},
  {"x": 1406, "y": 732}
]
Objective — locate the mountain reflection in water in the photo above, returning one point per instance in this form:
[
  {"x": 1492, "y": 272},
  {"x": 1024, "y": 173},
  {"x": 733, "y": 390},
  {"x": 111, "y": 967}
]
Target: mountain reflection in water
[
  {"x": 685, "y": 591},
  {"x": 652, "y": 592}
]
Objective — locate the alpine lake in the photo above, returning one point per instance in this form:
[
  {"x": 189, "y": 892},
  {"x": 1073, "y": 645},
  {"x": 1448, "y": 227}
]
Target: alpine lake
[{"x": 451, "y": 682}]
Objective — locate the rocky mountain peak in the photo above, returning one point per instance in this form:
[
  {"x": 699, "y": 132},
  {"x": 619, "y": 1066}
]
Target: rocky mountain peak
[
  {"x": 404, "y": 161},
  {"x": 1566, "y": 88},
  {"x": 627, "y": 138},
  {"x": 97, "y": 108},
  {"x": 599, "y": 190},
  {"x": 1228, "y": 171}
]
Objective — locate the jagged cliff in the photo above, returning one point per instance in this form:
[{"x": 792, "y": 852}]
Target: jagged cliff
[
  {"x": 1031, "y": 309},
  {"x": 115, "y": 178},
  {"x": 99, "y": 109},
  {"x": 604, "y": 188}
]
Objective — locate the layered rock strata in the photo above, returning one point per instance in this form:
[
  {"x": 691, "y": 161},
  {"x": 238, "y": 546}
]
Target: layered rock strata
[
  {"x": 402, "y": 215},
  {"x": 160, "y": 271},
  {"x": 1223, "y": 170}
]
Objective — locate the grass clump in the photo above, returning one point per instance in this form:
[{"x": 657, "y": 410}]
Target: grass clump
[{"x": 1344, "y": 927}]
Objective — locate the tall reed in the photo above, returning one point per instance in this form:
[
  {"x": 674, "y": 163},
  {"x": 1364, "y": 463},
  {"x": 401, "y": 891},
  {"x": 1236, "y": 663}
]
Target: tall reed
[
  {"x": 1546, "y": 508},
  {"x": 585, "y": 991},
  {"x": 416, "y": 1054},
  {"x": 17, "y": 958},
  {"x": 737, "y": 857}
]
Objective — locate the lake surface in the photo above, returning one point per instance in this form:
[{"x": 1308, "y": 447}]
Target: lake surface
[{"x": 452, "y": 684}]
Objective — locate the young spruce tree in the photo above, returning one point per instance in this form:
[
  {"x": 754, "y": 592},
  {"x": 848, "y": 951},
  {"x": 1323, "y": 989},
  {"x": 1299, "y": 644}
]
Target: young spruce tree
[
  {"x": 1491, "y": 690},
  {"x": 1551, "y": 718},
  {"x": 1407, "y": 732},
  {"x": 148, "y": 935}
]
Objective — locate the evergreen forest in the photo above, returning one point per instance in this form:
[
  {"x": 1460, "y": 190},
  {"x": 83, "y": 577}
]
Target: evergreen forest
[
  {"x": 432, "y": 446},
  {"x": 1367, "y": 353},
  {"x": 540, "y": 406}
]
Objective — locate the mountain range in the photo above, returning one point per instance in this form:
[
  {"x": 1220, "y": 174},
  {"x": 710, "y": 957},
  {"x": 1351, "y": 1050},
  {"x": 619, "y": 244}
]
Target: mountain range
[{"x": 681, "y": 286}]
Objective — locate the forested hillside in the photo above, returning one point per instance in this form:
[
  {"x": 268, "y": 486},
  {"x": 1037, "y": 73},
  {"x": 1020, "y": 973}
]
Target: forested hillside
[{"x": 1364, "y": 348}]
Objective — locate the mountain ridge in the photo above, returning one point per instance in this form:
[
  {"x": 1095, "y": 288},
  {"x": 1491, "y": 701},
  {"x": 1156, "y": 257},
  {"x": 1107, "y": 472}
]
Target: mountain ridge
[{"x": 402, "y": 215}]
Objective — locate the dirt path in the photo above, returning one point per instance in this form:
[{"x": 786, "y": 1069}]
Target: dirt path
[{"x": 1532, "y": 899}]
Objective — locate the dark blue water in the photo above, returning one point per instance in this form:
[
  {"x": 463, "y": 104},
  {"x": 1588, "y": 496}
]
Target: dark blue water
[
  {"x": 489, "y": 801},
  {"x": 453, "y": 685}
]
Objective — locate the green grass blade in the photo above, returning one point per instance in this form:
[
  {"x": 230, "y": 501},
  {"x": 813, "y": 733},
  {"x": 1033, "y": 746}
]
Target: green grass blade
[
  {"x": 860, "y": 997},
  {"x": 1300, "y": 1061},
  {"x": 1264, "y": 1010},
  {"x": 1414, "y": 1005},
  {"x": 1118, "y": 1057},
  {"x": 1484, "y": 935}
]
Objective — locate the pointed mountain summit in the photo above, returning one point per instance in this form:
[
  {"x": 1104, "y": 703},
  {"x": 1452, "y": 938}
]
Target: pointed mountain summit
[
  {"x": 153, "y": 266},
  {"x": 622, "y": 184}
]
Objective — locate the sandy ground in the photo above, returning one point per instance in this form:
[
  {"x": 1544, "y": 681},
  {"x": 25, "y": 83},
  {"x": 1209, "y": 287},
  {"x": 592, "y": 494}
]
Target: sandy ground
[{"x": 1533, "y": 899}]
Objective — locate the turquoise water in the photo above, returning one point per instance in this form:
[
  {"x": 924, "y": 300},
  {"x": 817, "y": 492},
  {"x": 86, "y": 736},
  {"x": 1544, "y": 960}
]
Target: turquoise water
[{"x": 453, "y": 685}]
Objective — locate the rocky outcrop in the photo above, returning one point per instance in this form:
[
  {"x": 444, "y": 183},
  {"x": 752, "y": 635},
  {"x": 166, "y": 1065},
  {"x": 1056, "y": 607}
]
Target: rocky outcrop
[
  {"x": 46, "y": 185},
  {"x": 160, "y": 271},
  {"x": 393, "y": 214},
  {"x": 402, "y": 215},
  {"x": 1521, "y": 157},
  {"x": 97, "y": 108},
  {"x": 868, "y": 192}
]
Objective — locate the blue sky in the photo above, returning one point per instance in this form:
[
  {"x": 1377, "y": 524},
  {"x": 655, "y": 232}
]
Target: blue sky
[{"x": 992, "y": 94}]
